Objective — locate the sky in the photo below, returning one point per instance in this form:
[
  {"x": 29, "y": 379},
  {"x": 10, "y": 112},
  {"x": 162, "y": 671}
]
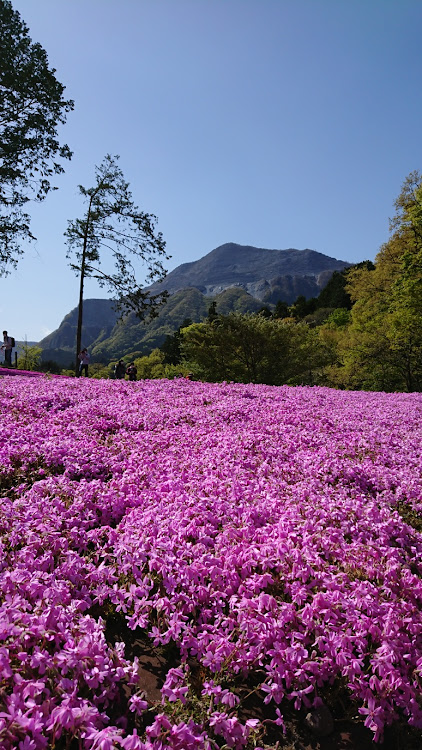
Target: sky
[{"x": 272, "y": 123}]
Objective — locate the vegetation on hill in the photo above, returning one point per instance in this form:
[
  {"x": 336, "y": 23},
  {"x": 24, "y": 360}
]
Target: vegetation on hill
[
  {"x": 383, "y": 348},
  {"x": 363, "y": 331}
]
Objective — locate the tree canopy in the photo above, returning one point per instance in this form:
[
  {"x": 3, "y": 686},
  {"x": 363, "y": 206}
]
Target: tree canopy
[
  {"x": 383, "y": 350},
  {"x": 32, "y": 107},
  {"x": 249, "y": 348}
]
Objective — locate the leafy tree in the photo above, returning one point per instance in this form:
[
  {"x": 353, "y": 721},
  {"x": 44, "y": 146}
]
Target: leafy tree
[
  {"x": 302, "y": 307},
  {"x": 335, "y": 293},
  {"x": 154, "y": 366},
  {"x": 384, "y": 346},
  {"x": 212, "y": 312},
  {"x": 405, "y": 309},
  {"x": 318, "y": 317},
  {"x": 281, "y": 310},
  {"x": 113, "y": 222},
  {"x": 171, "y": 345},
  {"x": 408, "y": 205},
  {"x": 265, "y": 312},
  {"x": 204, "y": 351},
  {"x": 29, "y": 357},
  {"x": 243, "y": 348},
  {"x": 338, "y": 318},
  {"x": 258, "y": 343},
  {"x": 100, "y": 371},
  {"x": 31, "y": 109},
  {"x": 309, "y": 355}
]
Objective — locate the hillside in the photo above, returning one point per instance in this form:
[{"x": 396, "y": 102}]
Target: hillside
[
  {"x": 256, "y": 270},
  {"x": 131, "y": 336},
  {"x": 238, "y": 277}
]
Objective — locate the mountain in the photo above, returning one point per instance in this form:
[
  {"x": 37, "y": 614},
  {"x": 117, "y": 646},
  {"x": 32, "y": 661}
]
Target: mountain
[
  {"x": 256, "y": 270},
  {"x": 238, "y": 277}
]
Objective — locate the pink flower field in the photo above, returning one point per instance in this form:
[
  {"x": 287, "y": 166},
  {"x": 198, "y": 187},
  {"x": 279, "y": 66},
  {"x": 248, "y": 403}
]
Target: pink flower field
[{"x": 262, "y": 544}]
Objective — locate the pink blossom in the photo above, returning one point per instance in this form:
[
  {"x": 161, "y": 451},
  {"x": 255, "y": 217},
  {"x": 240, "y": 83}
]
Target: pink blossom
[{"x": 258, "y": 532}]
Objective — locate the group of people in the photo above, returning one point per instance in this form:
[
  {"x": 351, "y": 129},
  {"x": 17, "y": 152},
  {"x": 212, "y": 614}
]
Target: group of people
[
  {"x": 7, "y": 346},
  {"x": 120, "y": 369}
]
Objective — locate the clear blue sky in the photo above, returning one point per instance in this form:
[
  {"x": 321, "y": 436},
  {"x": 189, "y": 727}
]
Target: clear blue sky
[{"x": 273, "y": 123}]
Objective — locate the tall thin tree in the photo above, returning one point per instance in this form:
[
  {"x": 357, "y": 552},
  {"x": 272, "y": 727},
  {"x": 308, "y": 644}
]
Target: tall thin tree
[{"x": 113, "y": 225}]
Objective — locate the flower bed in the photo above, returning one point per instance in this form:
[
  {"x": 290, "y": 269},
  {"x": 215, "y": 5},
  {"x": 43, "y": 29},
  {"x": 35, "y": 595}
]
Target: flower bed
[{"x": 264, "y": 544}]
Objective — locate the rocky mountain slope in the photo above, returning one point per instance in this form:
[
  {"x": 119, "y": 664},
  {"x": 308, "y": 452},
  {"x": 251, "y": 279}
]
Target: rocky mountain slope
[
  {"x": 238, "y": 277},
  {"x": 259, "y": 271}
]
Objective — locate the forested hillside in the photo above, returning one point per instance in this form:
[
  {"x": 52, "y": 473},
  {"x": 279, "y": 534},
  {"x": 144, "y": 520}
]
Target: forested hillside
[
  {"x": 362, "y": 331},
  {"x": 110, "y": 338},
  {"x": 239, "y": 278}
]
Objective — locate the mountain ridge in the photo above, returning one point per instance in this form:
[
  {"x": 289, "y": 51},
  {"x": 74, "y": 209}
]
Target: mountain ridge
[
  {"x": 255, "y": 276},
  {"x": 248, "y": 266}
]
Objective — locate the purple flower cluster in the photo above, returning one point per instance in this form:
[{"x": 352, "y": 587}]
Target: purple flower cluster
[{"x": 268, "y": 535}]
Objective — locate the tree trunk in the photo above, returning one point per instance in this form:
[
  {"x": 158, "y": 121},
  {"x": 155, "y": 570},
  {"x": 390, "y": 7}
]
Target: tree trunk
[
  {"x": 80, "y": 314},
  {"x": 81, "y": 290}
]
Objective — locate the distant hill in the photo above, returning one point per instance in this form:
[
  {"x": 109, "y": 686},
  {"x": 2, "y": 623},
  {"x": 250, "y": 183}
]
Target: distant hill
[
  {"x": 21, "y": 344},
  {"x": 260, "y": 272},
  {"x": 238, "y": 277},
  {"x": 131, "y": 336}
]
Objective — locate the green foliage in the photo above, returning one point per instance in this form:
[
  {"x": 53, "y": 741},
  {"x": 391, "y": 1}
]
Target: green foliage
[
  {"x": 151, "y": 366},
  {"x": 29, "y": 357},
  {"x": 265, "y": 312},
  {"x": 212, "y": 312},
  {"x": 318, "y": 317},
  {"x": 334, "y": 293},
  {"x": 338, "y": 318},
  {"x": 154, "y": 366},
  {"x": 281, "y": 310},
  {"x": 131, "y": 338},
  {"x": 31, "y": 109},
  {"x": 251, "y": 349},
  {"x": 309, "y": 356},
  {"x": 49, "y": 366},
  {"x": 171, "y": 346},
  {"x": 99, "y": 371},
  {"x": 383, "y": 350},
  {"x": 303, "y": 307},
  {"x": 113, "y": 223}
]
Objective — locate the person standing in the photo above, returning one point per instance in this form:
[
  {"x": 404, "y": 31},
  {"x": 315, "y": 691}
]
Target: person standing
[
  {"x": 7, "y": 348},
  {"x": 132, "y": 371},
  {"x": 120, "y": 370},
  {"x": 83, "y": 362}
]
